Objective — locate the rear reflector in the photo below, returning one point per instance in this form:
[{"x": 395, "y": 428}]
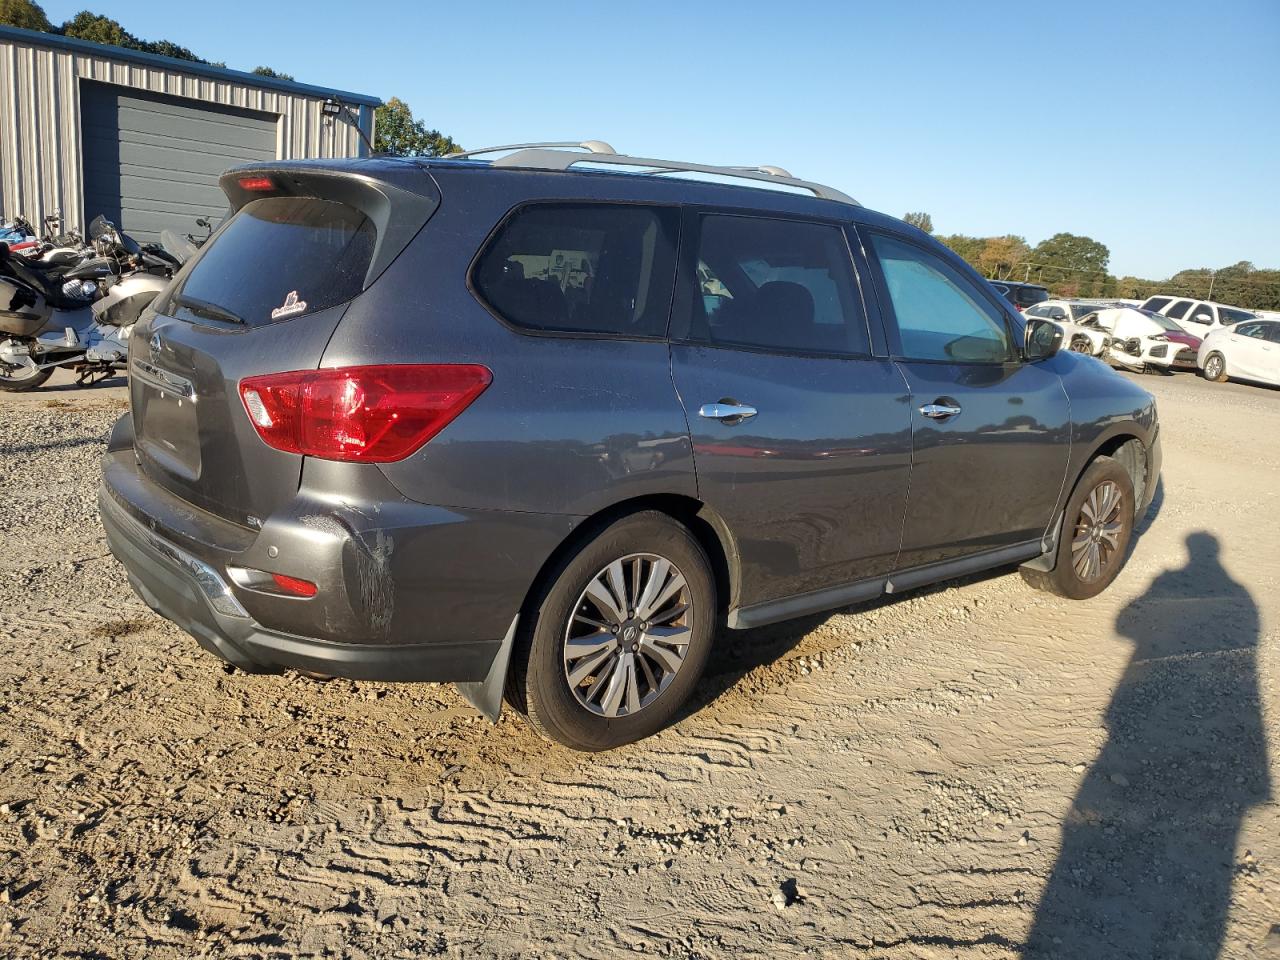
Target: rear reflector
[
  {"x": 375, "y": 414},
  {"x": 293, "y": 586},
  {"x": 257, "y": 184}
]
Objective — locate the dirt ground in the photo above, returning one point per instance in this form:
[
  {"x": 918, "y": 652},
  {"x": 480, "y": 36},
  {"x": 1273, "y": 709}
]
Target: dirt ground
[{"x": 974, "y": 770}]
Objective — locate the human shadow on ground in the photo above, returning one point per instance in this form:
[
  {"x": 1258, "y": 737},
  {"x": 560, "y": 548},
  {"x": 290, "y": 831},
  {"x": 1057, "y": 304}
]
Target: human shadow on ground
[{"x": 1149, "y": 844}]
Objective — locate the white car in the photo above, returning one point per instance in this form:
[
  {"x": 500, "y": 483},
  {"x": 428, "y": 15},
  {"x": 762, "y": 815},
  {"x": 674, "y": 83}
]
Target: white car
[
  {"x": 1068, "y": 314},
  {"x": 1249, "y": 351},
  {"x": 1196, "y": 316},
  {"x": 1138, "y": 339}
]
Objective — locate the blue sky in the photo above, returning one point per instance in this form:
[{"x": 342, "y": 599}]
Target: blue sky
[{"x": 1151, "y": 126}]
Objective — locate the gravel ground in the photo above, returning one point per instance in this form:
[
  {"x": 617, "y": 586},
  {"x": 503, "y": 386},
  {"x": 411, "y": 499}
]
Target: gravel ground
[{"x": 974, "y": 770}]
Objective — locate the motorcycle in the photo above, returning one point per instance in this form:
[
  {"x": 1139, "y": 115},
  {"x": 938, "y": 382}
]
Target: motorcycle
[{"x": 77, "y": 315}]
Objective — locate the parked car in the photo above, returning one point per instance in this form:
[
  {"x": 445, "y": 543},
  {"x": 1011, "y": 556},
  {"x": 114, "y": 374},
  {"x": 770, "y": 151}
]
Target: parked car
[
  {"x": 1087, "y": 338},
  {"x": 1247, "y": 351},
  {"x": 1197, "y": 316},
  {"x": 1140, "y": 340},
  {"x": 1021, "y": 295},
  {"x": 532, "y": 428}
]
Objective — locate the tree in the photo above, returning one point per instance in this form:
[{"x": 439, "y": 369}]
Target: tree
[
  {"x": 99, "y": 29},
  {"x": 999, "y": 256},
  {"x": 921, "y": 220},
  {"x": 1073, "y": 253},
  {"x": 167, "y": 48},
  {"x": 397, "y": 132},
  {"x": 24, "y": 14},
  {"x": 968, "y": 248},
  {"x": 274, "y": 74}
]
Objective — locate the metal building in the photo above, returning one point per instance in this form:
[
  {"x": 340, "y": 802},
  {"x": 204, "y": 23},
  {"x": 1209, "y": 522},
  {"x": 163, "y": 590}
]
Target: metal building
[{"x": 87, "y": 128}]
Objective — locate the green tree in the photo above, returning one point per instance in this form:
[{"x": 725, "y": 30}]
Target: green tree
[
  {"x": 99, "y": 29},
  {"x": 1072, "y": 253},
  {"x": 1071, "y": 265},
  {"x": 397, "y": 132},
  {"x": 24, "y": 14},
  {"x": 167, "y": 48},
  {"x": 86, "y": 25},
  {"x": 921, "y": 220},
  {"x": 969, "y": 248},
  {"x": 268, "y": 72}
]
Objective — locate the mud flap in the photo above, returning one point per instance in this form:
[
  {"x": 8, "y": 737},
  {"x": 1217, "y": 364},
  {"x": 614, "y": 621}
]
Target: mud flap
[
  {"x": 1049, "y": 558},
  {"x": 486, "y": 695}
]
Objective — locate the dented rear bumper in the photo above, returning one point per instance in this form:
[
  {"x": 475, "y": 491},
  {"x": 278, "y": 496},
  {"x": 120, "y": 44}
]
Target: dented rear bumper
[{"x": 405, "y": 591}]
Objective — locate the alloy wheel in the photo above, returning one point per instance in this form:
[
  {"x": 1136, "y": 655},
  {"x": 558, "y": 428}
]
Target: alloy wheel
[
  {"x": 1213, "y": 368},
  {"x": 1081, "y": 345},
  {"x": 628, "y": 635},
  {"x": 1096, "y": 543}
]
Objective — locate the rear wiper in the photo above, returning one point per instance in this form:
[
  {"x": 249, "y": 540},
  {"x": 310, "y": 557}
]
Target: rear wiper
[{"x": 210, "y": 311}]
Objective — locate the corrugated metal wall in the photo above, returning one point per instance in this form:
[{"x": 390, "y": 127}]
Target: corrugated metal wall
[{"x": 40, "y": 151}]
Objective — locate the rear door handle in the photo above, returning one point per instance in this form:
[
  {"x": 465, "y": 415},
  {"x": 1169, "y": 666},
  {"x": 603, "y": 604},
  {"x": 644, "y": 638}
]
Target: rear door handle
[
  {"x": 726, "y": 411},
  {"x": 940, "y": 410}
]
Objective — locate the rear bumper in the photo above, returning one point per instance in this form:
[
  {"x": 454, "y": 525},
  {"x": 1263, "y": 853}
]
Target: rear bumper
[
  {"x": 405, "y": 591},
  {"x": 195, "y": 595}
]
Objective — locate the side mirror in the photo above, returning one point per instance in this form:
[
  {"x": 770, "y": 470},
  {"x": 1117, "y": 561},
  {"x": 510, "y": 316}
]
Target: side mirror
[
  {"x": 1202, "y": 318},
  {"x": 1043, "y": 339}
]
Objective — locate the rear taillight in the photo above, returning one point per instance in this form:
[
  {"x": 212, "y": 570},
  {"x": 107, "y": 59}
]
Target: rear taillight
[{"x": 373, "y": 414}]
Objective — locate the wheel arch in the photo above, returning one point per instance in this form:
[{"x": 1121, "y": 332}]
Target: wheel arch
[
  {"x": 706, "y": 526},
  {"x": 1125, "y": 446}
]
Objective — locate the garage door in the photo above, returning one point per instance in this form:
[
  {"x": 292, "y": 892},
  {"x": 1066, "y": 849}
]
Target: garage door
[{"x": 152, "y": 162}]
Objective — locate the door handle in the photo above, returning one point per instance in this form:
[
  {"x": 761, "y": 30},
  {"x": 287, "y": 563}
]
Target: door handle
[
  {"x": 940, "y": 409},
  {"x": 726, "y": 411}
]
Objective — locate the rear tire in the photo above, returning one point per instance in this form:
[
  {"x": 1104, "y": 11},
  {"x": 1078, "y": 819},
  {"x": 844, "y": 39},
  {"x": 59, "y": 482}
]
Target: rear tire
[
  {"x": 1096, "y": 530},
  {"x": 1215, "y": 368},
  {"x": 593, "y": 680},
  {"x": 18, "y": 379}
]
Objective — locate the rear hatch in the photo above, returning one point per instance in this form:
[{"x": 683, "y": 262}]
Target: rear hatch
[{"x": 264, "y": 295}]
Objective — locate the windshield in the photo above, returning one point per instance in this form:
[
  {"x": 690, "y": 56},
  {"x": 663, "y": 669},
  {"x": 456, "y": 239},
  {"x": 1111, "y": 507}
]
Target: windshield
[
  {"x": 1079, "y": 310},
  {"x": 1164, "y": 322}
]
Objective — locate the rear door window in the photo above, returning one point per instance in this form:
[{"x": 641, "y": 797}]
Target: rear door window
[
  {"x": 941, "y": 316},
  {"x": 595, "y": 268},
  {"x": 276, "y": 259},
  {"x": 1227, "y": 315},
  {"x": 779, "y": 285},
  {"x": 1028, "y": 296}
]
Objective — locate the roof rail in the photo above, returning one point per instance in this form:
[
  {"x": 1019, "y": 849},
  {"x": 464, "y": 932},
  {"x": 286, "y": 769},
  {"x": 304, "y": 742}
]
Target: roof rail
[
  {"x": 554, "y": 156},
  {"x": 592, "y": 146}
]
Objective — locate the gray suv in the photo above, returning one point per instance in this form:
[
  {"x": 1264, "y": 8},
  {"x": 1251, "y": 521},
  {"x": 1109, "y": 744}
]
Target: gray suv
[{"x": 541, "y": 425}]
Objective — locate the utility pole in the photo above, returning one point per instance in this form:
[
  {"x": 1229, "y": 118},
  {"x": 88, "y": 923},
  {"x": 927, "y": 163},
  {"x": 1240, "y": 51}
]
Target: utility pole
[{"x": 1211, "y": 279}]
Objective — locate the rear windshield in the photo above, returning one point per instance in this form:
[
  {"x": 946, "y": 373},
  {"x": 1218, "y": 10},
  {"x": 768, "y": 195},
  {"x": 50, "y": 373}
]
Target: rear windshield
[
  {"x": 278, "y": 258},
  {"x": 1029, "y": 296}
]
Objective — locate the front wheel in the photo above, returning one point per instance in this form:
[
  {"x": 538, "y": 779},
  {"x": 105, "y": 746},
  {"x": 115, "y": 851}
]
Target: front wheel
[
  {"x": 620, "y": 636},
  {"x": 1096, "y": 529},
  {"x": 1082, "y": 345},
  {"x": 1215, "y": 368}
]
